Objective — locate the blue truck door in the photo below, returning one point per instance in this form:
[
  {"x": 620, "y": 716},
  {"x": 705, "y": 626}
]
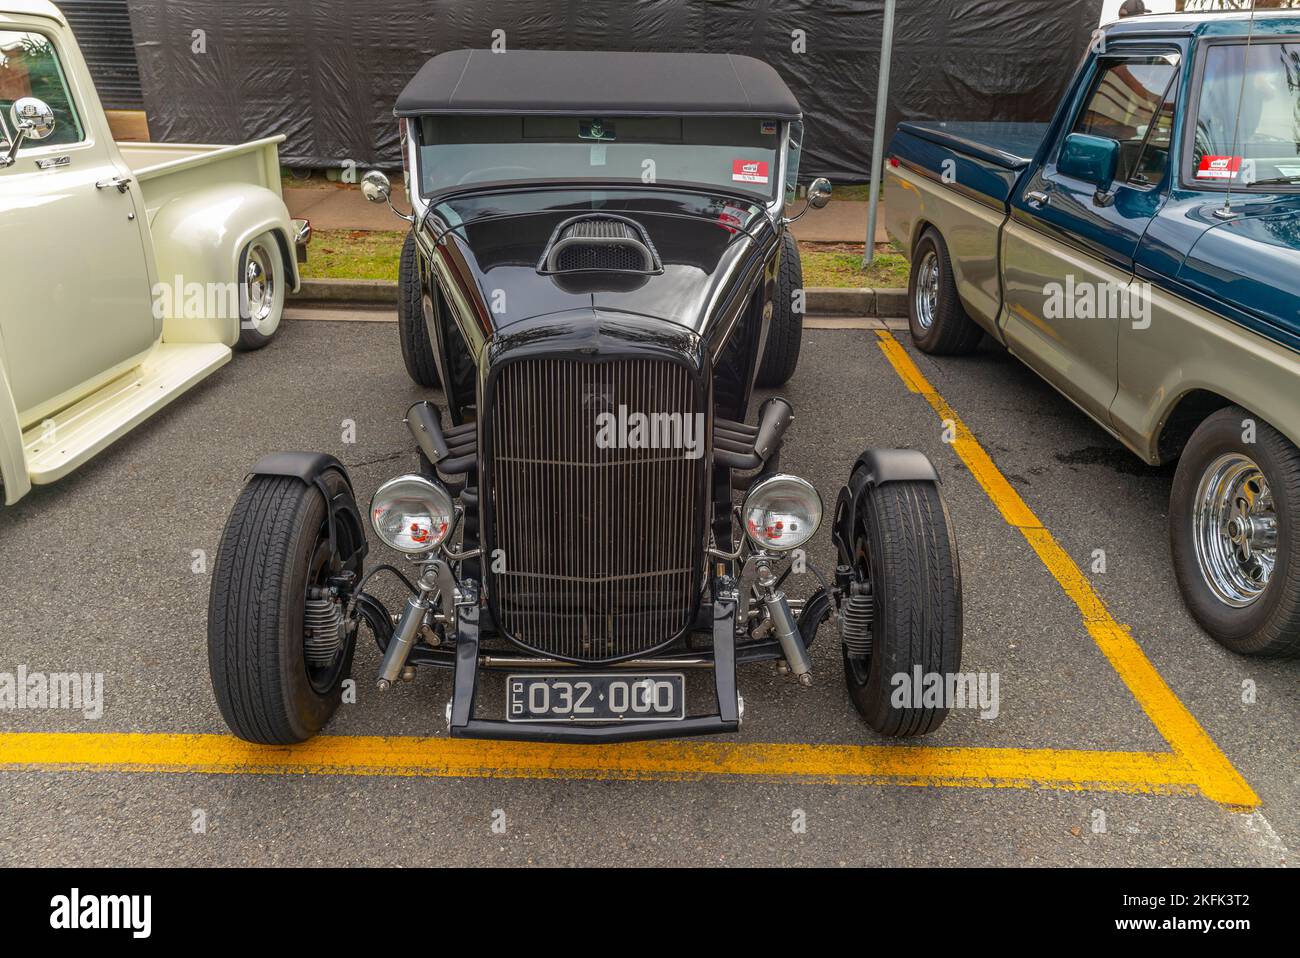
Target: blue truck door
[{"x": 1069, "y": 244}]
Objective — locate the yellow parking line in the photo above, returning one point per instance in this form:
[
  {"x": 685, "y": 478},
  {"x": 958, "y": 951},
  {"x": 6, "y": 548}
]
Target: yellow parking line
[
  {"x": 1215, "y": 775},
  {"x": 1158, "y": 772}
]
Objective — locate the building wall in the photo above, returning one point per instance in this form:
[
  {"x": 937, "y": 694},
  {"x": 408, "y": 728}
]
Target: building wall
[
  {"x": 325, "y": 73},
  {"x": 103, "y": 31}
]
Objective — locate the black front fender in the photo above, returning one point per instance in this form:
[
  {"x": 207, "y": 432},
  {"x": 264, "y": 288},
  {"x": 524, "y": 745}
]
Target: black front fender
[
  {"x": 307, "y": 466},
  {"x": 875, "y": 467},
  {"x": 311, "y": 468}
]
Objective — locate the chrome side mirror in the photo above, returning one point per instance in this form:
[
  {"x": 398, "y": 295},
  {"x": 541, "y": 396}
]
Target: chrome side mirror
[
  {"x": 32, "y": 119},
  {"x": 376, "y": 188},
  {"x": 819, "y": 194}
]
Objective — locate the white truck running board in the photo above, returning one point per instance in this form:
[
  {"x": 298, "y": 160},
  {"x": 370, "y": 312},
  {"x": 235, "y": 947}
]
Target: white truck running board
[{"x": 61, "y": 443}]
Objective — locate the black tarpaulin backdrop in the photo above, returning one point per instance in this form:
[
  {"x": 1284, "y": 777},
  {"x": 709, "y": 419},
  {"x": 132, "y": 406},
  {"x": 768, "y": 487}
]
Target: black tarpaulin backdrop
[{"x": 325, "y": 73}]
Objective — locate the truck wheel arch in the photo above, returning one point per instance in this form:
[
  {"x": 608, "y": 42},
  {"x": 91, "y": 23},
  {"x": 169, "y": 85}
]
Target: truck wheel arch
[
  {"x": 199, "y": 237},
  {"x": 1187, "y": 412},
  {"x": 918, "y": 230},
  {"x": 1192, "y": 408}
]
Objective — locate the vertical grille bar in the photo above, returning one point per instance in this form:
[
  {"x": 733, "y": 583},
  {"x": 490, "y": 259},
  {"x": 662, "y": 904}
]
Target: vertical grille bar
[{"x": 600, "y": 540}]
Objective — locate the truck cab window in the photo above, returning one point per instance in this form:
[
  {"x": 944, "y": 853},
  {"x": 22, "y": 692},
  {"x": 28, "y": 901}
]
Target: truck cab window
[
  {"x": 1261, "y": 143},
  {"x": 29, "y": 66},
  {"x": 1132, "y": 101}
]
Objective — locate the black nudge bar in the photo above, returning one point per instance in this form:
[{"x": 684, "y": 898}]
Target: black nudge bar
[{"x": 465, "y": 687}]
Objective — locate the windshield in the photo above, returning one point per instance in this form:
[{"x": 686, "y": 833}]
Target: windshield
[
  {"x": 1262, "y": 144},
  {"x": 739, "y": 154}
]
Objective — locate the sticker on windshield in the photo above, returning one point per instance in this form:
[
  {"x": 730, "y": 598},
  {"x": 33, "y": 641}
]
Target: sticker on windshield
[
  {"x": 1219, "y": 168},
  {"x": 749, "y": 171}
]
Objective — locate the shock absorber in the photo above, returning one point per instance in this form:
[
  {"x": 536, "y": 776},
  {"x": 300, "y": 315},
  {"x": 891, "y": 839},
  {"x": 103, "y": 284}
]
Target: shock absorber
[
  {"x": 435, "y": 581},
  {"x": 784, "y": 625}
]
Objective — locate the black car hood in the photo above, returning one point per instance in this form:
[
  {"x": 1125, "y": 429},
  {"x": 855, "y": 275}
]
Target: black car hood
[{"x": 710, "y": 247}]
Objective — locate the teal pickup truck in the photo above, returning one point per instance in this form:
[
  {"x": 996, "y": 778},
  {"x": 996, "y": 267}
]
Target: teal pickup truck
[{"x": 1141, "y": 253}]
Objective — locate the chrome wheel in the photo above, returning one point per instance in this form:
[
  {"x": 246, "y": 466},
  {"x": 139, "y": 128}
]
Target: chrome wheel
[
  {"x": 1234, "y": 528},
  {"x": 259, "y": 285},
  {"x": 926, "y": 298}
]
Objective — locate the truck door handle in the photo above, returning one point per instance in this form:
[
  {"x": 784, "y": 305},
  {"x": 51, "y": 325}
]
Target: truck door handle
[
  {"x": 121, "y": 182},
  {"x": 1036, "y": 198}
]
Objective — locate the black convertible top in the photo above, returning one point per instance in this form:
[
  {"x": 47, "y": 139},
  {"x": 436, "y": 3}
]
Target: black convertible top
[{"x": 561, "y": 83}]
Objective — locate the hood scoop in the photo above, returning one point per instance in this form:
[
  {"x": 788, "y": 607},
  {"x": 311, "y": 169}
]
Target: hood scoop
[{"x": 600, "y": 243}]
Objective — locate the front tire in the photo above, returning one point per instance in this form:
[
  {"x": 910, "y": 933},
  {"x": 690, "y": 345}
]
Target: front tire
[
  {"x": 1233, "y": 515},
  {"x": 938, "y": 322},
  {"x": 414, "y": 308},
  {"x": 905, "y": 552},
  {"x": 271, "y": 681},
  {"x": 261, "y": 280},
  {"x": 781, "y": 355}
]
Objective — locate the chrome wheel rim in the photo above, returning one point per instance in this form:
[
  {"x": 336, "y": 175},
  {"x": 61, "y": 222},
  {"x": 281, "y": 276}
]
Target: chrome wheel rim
[
  {"x": 1234, "y": 527},
  {"x": 259, "y": 284},
  {"x": 927, "y": 290}
]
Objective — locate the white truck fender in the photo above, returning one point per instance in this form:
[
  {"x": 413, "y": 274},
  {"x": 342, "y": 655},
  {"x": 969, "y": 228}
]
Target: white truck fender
[{"x": 199, "y": 238}]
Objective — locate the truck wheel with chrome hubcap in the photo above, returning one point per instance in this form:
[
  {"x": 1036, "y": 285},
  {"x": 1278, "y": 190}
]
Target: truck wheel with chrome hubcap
[
  {"x": 1232, "y": 516},
  {"x": 936, "y": 317},
  {"x": 261, "y": 292}
]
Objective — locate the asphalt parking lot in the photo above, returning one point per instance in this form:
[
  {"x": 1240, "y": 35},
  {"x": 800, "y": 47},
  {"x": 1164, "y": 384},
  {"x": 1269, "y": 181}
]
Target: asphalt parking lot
[{"x": 1123, "y": 735}]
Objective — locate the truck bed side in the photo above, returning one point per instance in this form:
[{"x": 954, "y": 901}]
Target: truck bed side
[
  {"x": 958, "y": 178},
  {"x": 169, "y": 170}
]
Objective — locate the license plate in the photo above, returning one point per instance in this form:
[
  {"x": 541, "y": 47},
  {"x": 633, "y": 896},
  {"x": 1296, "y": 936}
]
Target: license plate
[{"x": 600, "y": 697}]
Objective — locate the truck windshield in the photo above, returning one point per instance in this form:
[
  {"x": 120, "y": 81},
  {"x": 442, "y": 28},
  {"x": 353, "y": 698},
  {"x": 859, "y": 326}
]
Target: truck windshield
[
  {"x": 734, "y": 153},
  {"x": 29, "y": 66},
  {"x": 1260, "y": 144}
]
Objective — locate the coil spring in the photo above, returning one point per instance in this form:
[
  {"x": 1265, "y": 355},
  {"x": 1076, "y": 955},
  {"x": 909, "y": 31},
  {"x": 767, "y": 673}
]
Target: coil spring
[
  {"x": 322, "y": 631},
  {"x": 856, "y": 616}
]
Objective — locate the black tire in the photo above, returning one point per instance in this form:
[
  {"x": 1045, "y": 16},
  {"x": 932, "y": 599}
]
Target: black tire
[
  {"x": 273, "y": 547},
  {"x": 781, "y": 355},
  {"x": 412, "y": 326},
  {"x": 950, "y": 331},
  {"x": 1269, "y": 625},
  {"x": 904, "y": 546}
]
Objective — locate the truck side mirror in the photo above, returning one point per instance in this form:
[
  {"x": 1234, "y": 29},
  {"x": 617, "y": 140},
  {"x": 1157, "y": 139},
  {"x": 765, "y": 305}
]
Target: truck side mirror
[
  {"x": 1093, "y": 159},
  {"x": 32, "y": 120}
]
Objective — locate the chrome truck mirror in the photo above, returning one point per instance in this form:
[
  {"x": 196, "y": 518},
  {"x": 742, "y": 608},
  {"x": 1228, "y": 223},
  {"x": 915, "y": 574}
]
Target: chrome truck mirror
[{"x": 32, "y": 119}]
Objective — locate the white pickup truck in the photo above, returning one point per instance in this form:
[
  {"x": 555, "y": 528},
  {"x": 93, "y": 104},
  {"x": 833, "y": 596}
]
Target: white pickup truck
[{"x": 130, "y": 271}]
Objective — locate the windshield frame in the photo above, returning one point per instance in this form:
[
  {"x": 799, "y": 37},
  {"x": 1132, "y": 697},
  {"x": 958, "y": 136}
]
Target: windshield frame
[
  {"x": 1186, "y": 174},
  {"x": 415, "y": 150}
]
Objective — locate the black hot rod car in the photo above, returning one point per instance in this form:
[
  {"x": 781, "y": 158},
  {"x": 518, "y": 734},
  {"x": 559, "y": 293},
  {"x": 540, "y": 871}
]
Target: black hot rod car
[{"x": 598, "y": 273}]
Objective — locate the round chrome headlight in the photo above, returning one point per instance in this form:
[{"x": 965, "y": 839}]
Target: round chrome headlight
[
  {"x": 412, "y": 514},
  {"x": 782, "y": 513}
]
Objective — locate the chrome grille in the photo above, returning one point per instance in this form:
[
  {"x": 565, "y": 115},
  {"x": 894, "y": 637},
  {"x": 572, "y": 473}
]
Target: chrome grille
[{"x": 601, "y": 547}]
